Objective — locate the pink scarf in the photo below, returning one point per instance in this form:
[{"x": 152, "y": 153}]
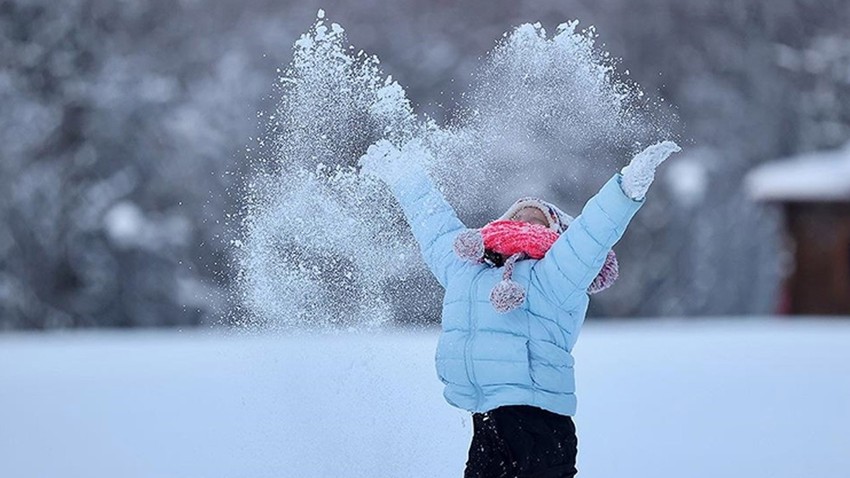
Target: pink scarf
[
  {"x": 504, "y": 242},
  {"x": 512, "y": 237}
]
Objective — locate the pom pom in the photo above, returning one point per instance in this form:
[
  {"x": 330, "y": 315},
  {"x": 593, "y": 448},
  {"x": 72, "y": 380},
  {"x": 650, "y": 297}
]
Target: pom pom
[
  {"x": 469, "y": 245},
  {"x": 507, "y": 295},
  {"x": 606, "y": 277}
]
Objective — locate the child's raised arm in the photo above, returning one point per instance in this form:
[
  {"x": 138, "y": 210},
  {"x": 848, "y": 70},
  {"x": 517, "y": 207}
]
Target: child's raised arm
[
  {"x": 575, "y": 259},
  {"x": 432, "y": 219}
]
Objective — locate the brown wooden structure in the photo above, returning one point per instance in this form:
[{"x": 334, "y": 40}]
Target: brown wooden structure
[{"x": 814, "y": 193}]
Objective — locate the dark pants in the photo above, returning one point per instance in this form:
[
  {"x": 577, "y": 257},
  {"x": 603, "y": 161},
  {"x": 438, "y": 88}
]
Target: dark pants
[{"x": 521, "y": 441}]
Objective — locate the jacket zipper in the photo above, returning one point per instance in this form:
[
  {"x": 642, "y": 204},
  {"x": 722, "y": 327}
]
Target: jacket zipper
[{"x": 473, "y": 327}]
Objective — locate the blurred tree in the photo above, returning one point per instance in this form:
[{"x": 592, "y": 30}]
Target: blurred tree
[
  {"x": 120, "y": 120},
  {"x": 124, "y": 123}
]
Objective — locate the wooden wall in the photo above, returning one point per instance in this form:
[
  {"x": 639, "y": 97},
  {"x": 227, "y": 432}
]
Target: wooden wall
[{"x": 820, "y": 238}]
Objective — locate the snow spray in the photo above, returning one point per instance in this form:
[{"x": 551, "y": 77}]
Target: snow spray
[{"x": 320, "y": 246}]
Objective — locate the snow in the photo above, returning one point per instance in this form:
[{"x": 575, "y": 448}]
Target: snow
[
  {"x": 687, "y": 178},
  {"x": 537, "y": 104},
  {"x": 124, "y": 223},
  {"x": 127, "y": 226},
  {"x": 743, "y": 398},
  {"x": 817, "y": 176}
]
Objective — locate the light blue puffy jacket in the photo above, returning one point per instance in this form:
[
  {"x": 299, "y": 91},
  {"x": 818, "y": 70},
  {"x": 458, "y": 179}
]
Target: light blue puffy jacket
[{"x": 487, "y": 359}]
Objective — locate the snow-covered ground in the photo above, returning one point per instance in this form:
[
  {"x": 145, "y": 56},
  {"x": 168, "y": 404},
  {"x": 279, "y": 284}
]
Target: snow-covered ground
[{"x": 747, "y": 398}]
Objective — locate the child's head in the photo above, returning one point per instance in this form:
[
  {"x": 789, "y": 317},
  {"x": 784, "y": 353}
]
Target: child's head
[
  {"x": 504, "y": 237},
  {"x": 526, "y": 230},
  {"x": 537, "y": 211},
  {"x": 531, "y": 215}
]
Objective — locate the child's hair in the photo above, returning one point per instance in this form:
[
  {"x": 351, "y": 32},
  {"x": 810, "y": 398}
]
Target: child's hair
[{"x": 493, "y": 258}]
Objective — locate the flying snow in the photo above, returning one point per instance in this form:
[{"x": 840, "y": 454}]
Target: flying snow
[{"x": 320, "y": 246}]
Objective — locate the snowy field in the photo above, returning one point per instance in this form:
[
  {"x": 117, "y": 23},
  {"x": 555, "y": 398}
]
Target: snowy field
[{"x": 752, "y": 398}]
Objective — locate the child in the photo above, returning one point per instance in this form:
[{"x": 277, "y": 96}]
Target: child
[{"x": 516, "y": 297}]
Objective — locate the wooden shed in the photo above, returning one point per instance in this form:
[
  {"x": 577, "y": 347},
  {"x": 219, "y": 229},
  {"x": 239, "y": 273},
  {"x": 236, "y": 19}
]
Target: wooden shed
[{"x": 813, "y": 191}]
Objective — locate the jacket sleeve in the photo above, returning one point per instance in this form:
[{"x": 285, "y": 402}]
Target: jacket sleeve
[
  {"x": 432, "y": 220},
  {"x": 575, "y": 259}
]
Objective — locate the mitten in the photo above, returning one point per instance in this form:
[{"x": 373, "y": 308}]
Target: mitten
[
  {"x": 387, "y": 163},
  {"x": 640, "y": 172}
]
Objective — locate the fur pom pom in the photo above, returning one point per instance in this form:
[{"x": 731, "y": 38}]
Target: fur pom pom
[
  {"x": 469, "y": 245},
  {"x": 507, "y": 295},
  {"x": 606, "y": 277}
]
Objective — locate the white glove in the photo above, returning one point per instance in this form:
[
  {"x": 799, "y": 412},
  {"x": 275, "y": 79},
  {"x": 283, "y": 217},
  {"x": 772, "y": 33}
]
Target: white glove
[
  {"x": 391, "y": 165},
  {"x": 640, "y": 172}
]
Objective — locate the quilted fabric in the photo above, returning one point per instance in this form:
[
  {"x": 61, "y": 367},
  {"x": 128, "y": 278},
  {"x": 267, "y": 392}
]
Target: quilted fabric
[{"x": 488, "y": 359}]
